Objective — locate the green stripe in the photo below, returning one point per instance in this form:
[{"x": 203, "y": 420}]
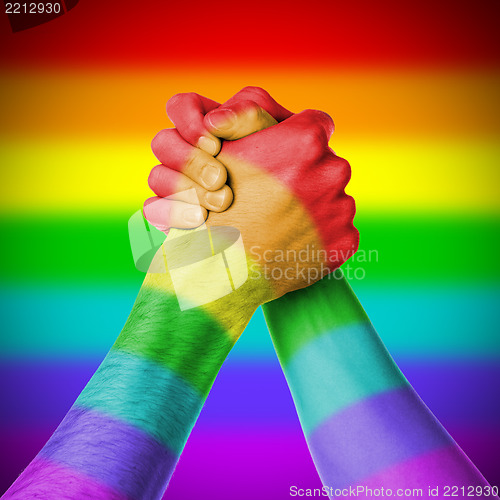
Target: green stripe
[
  {"x": 191, "y": 344},
  {"x": 449, "y": 248},
  {"x": 325, "y": 306},
  {"x": 54, "y": 248}
]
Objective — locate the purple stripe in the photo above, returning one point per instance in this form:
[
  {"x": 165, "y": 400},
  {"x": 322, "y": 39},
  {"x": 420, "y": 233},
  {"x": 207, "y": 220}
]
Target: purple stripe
[
  {"x": 112, "y": 452},
  {"x": 236, "y": 465},
  {"x": 444, "y": 467},
  {"x": 373, "y": 434},
  {"x": 45, "y": 479}
]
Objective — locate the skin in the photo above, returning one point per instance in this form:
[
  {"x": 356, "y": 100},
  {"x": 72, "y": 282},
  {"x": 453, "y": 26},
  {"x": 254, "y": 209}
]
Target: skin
[
  {"x": 364, "y": 423},
  {"x": 147, "y": 393},
  {"x": 123, "y": 436},
  {"x": 288, "y": 189}
]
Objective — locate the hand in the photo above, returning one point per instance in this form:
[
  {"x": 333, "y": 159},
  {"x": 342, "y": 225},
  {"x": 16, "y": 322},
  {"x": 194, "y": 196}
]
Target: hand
[
  {"x": 191, "y": 183},
  {"x": 192, "y": 167},
  {"x": 290, "y": 205}
]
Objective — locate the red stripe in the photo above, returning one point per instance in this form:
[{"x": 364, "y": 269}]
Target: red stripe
[{"x": 321, "y": 31}]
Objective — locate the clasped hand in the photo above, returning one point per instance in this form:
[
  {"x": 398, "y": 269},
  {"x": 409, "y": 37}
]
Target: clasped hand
[{"x": 253, "y": 165}]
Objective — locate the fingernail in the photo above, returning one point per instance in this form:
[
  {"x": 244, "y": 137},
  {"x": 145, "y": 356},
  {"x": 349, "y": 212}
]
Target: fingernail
[
  {"x": 208, "y": 145},
  {"x": 222, "y": 119},
  {"x": 216, "y": 198},
  {"x": 209, "y": 175},
  {"x": 193, "y": 216}
]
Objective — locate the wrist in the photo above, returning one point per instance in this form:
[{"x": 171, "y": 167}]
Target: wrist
[
  {"x": 167, "y": 327},
  {"x": 299, "y": 317},
  {"x": 207, "y": 269},
  {"x": 191, "y": 343}
]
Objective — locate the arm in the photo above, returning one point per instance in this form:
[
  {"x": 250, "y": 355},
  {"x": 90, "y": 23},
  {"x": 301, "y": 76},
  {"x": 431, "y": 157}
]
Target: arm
[
  {"x": 124, "y": 434},
  {"x": 362, "y": 419},
  {"x": 364, "y": 423}
]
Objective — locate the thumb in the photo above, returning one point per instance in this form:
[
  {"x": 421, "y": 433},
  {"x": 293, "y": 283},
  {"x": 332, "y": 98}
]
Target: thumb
[{"x": 238, "y": 120}]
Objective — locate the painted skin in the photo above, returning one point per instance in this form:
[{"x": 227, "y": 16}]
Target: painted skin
[
  {"x": 124, "y": 434},
  {"x": 288, "y": 188},
  {"x": 365, "y": 425}
]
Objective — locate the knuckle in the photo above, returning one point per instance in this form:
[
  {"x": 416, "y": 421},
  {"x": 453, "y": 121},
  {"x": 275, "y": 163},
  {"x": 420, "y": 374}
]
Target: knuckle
[
  {"x": 256, "y": 91},
  {"x": 350, "y": 207},
  {"x": 192, "y": 166},
  {"x": 159, "y": 139},
  {"x": 312, "y": 143},
  {"x": 335, "y": 171},
  {"x": 354, "y": 239},
  {"x": 309, "y": 114},
  {"x": 191, "y": 131},
  {"x": 178, "y": 100},
  {"x": 344, "y": 171},
  {"x": 349, "y": 240},
  {"x": 154, "y": 177},
  {"x": 320, "y": 120},
  {"x": 173, "y": 103},
  {"x": 254, "y": 111},
  {"x": 312, "y": 115}
]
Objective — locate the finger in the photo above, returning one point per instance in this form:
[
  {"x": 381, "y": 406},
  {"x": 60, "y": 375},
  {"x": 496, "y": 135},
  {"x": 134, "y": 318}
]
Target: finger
[
  {"x": 238, "y": 120},
  {"x": 303, "y": 137},
  {"x": 166, "y": 182},
  {"x": 187, "y": 112},
  {"x": 163, "y": 214},
  {"x": 307, "y": 133},
  {"x": 263, "y": 99},
  {"x": 174, "y": 152},
  {"x": 316, "y": 120}
]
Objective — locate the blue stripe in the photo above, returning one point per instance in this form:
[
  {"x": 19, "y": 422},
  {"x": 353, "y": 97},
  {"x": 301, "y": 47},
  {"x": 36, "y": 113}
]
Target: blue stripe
[
  {"x": 146, "y": 395},
  {"x": 434, "y": 321},
  {"x": 413, "y": 322},
  {"x": 57, "y": 323},
  {"x": 337, "y": 369}
]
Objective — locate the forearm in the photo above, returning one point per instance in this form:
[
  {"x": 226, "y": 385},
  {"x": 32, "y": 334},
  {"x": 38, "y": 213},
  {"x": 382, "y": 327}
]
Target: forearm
[
  {"x": 124, "y": 434},
  {"x": 364, "y": 423}
]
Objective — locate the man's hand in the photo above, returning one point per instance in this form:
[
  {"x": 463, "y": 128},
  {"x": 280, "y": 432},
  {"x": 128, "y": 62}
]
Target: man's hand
[
  {"x": 188, "y": 183},
  {"x": 289, "y": 200},
  {"x": 188, "y": 151}
]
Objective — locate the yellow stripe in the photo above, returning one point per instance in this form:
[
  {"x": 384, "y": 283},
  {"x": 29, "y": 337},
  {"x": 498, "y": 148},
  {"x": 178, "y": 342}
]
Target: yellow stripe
[{"x": 92, "y": 176}]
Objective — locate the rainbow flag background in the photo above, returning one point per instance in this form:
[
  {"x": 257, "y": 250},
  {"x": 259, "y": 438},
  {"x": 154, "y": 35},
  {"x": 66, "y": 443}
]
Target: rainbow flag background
[{"x": 413, "y": 89}]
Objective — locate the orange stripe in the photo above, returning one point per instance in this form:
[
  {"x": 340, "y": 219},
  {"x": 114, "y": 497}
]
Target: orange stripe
[{"x": 362, "y": 103}]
